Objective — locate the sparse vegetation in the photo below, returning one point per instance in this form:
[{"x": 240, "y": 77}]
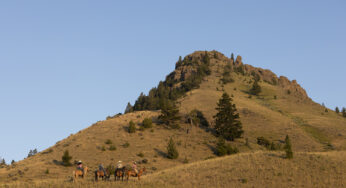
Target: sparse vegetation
[
  {"x": 32, "y": 152},
  {"x": 66, "y": 159},
  {"x": 288, "y": 148},
  {"x": 226, "y": 76},
  {"x": 126, "y": 145},
  {"x": 132, "y": 127},
  {"x": 256, "y": 88},
  {"x": 108, "y": 141},
  {"x": 225, "y": 149},
  {"x": 147, "y": 123},
  {"x": 337, "y": 110},
  {"x": 227, "y": 123},
  {"x": 112, "y": 148},
  {"x": 172, "y": 152}
]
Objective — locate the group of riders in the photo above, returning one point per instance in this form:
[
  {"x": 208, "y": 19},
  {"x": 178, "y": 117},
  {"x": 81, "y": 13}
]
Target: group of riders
[{"x": 119, "y": 166}]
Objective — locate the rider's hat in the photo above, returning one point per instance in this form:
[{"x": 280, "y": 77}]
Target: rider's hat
[
  {"x": 119, "y": 161},
  {"x": 79, "y": 162}
]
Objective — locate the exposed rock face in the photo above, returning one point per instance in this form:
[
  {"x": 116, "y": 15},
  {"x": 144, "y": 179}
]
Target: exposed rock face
[{"x": 191, "y": 62}]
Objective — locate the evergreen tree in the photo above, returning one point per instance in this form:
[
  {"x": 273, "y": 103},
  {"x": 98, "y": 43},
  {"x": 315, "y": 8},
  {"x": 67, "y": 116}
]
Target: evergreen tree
[
  {"x": 337, "y": 110},
  {"x": 256, "y": 88},
  {"x": 132, "y": 127},
  {"x": 344, "y": 112},
  {"x": 30, "y": 153},
  {"x": 232, "y": 58},
  {"x": 3, "y": 162},
  {"x": 227, "y": 123},
  {"x": 169, "y": 114},
  {"x": 172, "y": 152},
  {"x": 128, "y": 108},
  {"x": 12, "y": 162},
  {"x": 288, "y": 148},
  {"x": 66, "y": 159}
]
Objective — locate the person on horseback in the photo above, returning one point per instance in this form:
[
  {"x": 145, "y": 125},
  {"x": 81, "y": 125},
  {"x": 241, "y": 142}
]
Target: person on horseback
[
  {"x": 119, "y": 165},
  {"x": 134, "y": 167},
  {"x": 80, "y": 166},
  {"x": 101, "y": 168}
]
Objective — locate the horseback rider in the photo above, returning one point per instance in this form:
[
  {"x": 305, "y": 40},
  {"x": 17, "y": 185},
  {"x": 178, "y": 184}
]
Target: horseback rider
[
  {"x": 80, "y": 166},
  {"x": 119, "y": 165},
  {"x": 101, "y": 168},
  {"x": 134, "y": 167}
]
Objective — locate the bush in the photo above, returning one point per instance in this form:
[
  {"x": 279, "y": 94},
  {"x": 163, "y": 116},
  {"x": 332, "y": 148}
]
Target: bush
[
  {"x": 108, "y": 141},
  {"x": 172, "y": 152},
  {"x": 126, "y": 145},
  {"x": 112, "y": 148},
  {"x": 288, "y": 148},
  {"x": 66, "y": 159},
  {"x": 256, "y": 88},
  {"x": 147, "y": 123},
  {"x": 145, "y": 161},
  {"x": 186, "y": 160},
  {"x": 263, "y": 142},
  {"x": 132, "y": 127},
  {"x": 225, "y": 149},
  {"x": 140, "y": 154},
  {"x": 47, "y": 171}
]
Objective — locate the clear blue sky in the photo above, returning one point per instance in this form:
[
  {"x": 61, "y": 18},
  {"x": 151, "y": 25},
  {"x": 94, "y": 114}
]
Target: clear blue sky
[{"x": 67, "y": 64}]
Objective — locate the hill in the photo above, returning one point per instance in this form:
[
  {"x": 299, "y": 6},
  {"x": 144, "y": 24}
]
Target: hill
[{"x": 198, "y": 81}]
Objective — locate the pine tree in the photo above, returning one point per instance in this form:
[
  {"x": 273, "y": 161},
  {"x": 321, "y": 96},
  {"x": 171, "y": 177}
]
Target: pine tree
[
  {"x": 232, "y": 58},
  {"x": 169, "y": 114},
  {"x": 172, "y": 152},
  {"x": 256, "y": 88},
  {"x": 227, "y": 123},
  {"x": 66, "y": 159},
  {"x": 288, "y": 148},
  {"x": 3, "y": 162},
  {"x": 344, "y": 112},
  {"x": 132, "y": 127},
  {"x": 337, "y": 110},
  {"x": 129, "y": 108},
  {"x": 12, "y": 162}
]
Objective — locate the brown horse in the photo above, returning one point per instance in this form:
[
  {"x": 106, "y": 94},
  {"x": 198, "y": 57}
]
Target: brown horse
[
  {"x": 119, "y": 173},
  {"x": 133, "y": 173},
  {"x": 101, "y": 174},
  {"x": 79, "y": 173}
]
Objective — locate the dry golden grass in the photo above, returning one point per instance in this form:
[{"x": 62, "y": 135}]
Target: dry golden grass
[
  {"x": 310, "y": 128},
  {"x": 257, "y": 169}
]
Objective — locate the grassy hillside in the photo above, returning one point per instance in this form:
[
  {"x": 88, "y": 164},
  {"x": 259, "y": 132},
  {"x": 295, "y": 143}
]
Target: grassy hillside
[
  {"x": 282, "y": 108},
  {"x": 258, "y": 169}
]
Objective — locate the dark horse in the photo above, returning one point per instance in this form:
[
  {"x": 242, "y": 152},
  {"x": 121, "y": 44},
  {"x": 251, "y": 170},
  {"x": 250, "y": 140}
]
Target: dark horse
[
  {"x": 101, "y": 174},
  {"x": 119, "y": 173}
]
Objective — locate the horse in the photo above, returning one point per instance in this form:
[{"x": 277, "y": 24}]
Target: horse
[
  {"x": 119, "y": 173},
  {"x": 79, "y": 173},
  {"x": 133, "y": 173},
  {"x": 101, "y": 174}
]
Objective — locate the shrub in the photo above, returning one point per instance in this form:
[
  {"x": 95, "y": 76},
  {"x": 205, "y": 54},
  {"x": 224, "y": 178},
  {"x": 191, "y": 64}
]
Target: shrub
[
  {"x": 126, "y": 145},
  {"x": 256, "y": 88},
  {"x": 172, "y": 152},
  {"x": 186, "y": 160},
  {"x": 145, "y": 161},
  {"x": 337, "y": 110},
  {"x": 66, "y": 159},
  {"x": 132, "y": 127},
  {"x": 47, "y": 171},
  {"x": 288, "y": 148},
  {"x": 225, "y": 149},
  {"x": 112, "y": 148},
  {"x": 108, "y": 141},
  {"x": 263, "y": 142},
  {"x": 147, "y": 123},
  {"x": 140, "y": 154},
  {"x": 103, "y": 148}
]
